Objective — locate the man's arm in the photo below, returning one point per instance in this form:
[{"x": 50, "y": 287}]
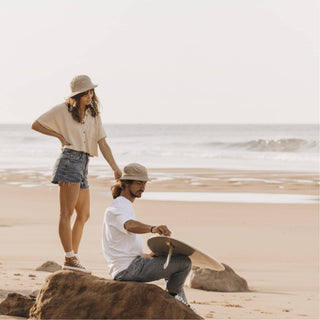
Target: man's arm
[{"x": 139, "y": 227}]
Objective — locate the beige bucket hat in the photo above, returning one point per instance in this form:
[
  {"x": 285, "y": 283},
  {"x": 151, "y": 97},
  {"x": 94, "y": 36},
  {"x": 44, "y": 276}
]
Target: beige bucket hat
[
  {"x": 135, "y": 171},
  {"x": 79, "y": 84}
]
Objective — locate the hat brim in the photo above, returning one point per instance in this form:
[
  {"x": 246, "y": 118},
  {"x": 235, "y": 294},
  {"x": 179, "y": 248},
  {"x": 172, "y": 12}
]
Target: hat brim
[
  {"x": 84, "y": 90},
  {"x": 136, "y": 178}
]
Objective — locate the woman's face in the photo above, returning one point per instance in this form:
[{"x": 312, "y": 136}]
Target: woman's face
[{"x": 86, "y": 97}]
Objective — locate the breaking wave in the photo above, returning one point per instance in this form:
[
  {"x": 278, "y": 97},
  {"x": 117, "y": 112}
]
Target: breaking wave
[{"x": 281, "y": 145}]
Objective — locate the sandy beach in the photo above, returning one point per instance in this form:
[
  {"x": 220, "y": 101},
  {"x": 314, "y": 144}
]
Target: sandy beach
[{"x": 274, "y": 246}]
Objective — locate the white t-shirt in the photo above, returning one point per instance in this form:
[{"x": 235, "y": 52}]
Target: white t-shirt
[{"x": 119, "y": 246}]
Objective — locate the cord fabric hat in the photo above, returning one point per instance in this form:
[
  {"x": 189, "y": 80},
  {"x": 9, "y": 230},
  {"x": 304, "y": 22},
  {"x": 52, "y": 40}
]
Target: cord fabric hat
[
  {"x": 135, "y": 171},
  {"x": 79, "y": 84}
]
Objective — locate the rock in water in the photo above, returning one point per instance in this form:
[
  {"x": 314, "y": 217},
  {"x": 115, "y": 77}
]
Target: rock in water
[
  {"x": 73, "y": 295},
  {"x": 16, "y": 304},
  {"x": 223, "y": 281},
  {"x": 49, "y": 266}
]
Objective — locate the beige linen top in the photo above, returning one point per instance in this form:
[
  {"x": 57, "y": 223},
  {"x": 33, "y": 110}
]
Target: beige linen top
[{"x": 81, "y": 136}]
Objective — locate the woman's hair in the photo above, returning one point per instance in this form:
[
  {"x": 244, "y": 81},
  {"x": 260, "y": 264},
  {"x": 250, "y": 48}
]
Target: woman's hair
[
  {"x": 118, "y": 187},
  {"x": 74, "y": 105}
]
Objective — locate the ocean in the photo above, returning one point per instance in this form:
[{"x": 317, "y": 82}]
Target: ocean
[{"x": 227, "y": 146}]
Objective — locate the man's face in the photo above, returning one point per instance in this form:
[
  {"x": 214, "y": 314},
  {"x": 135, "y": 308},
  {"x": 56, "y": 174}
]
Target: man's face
[{"x": 137, "y": 188}]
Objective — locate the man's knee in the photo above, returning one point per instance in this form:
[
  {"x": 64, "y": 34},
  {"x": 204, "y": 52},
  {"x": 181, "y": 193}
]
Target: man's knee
[
  {"x": 184, "y": 261},
  {"x": 188, "y": 263}
]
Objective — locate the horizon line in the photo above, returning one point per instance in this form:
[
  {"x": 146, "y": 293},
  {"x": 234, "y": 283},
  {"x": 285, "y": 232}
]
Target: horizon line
[{"x": 185, "y": 123}]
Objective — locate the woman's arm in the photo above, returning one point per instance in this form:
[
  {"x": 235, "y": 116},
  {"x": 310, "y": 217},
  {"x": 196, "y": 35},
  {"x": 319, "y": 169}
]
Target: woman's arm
[
  {"x": 107, "y": 154},
  {"x": 40, "y": 128}
]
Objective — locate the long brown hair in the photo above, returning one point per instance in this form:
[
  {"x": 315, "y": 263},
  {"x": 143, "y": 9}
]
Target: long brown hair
[
  {"x": 117, "y": 188},
  {"x": 73, "y": 104}
]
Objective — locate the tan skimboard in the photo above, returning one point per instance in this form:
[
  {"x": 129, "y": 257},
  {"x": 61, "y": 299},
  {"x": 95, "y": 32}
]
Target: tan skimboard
[{"x": 167, "y": 246}]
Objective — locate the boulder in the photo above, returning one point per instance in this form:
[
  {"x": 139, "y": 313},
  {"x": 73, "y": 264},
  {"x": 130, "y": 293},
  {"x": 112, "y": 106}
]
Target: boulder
[
  {"x": 3, "y": 294},
  {"x": 73, "y": 295},
  {"x": 223, "y": 281},
  {"x": 16, "y": 304},
  {"x": 49, "y": 266}
]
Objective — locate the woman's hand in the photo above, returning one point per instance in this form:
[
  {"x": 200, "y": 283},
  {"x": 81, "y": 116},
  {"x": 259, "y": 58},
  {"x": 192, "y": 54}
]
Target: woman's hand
[
  {"x": 37, "y": 126},
  {"x": 117, "y": 174},
  {"x": 64, "y": 142}
]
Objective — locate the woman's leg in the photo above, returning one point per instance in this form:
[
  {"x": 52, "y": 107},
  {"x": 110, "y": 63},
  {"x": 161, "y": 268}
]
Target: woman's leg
[
  {"x": 83, "y": 212},
  {"x": 69, "y": 194}
]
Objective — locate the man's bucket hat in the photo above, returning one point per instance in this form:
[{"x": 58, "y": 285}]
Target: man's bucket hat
[
  {"x": 135, "y": 171},
  {"x": 81, "y": 84}
]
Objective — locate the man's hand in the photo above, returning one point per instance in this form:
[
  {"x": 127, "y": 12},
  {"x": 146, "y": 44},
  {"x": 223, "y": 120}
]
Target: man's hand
[
  {"x": 148, "y": 255},
  {"x": 162, "y": 230}
]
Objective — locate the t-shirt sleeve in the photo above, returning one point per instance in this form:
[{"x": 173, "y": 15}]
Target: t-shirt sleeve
[
  {"x": 50, "y": 120},
  {"x": 119, "y": 218},
  {"x": 100, "y": 130}
]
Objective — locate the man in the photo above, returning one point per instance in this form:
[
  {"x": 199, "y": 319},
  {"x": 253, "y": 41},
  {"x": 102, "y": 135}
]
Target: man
[{"x": 122, "y": 242}]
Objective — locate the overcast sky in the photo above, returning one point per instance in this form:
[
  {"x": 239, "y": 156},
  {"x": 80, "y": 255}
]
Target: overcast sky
[{"x": 163, "y": 61}]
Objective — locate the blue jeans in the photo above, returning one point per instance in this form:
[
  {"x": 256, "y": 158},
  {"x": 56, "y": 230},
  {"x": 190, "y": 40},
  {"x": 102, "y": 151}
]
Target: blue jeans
[
  {"x": 72, "y": 166},
  {"x": 151, "y": 269}
]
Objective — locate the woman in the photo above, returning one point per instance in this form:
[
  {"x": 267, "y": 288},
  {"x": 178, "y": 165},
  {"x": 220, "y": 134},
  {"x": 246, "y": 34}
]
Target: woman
[{"x": 77, "y": 124}]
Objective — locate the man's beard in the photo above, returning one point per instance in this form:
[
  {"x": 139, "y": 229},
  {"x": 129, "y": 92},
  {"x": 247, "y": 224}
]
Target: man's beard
[{"x": 134, "y": 195}]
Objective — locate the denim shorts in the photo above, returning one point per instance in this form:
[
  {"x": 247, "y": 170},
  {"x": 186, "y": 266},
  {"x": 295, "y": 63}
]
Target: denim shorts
[{"x": 72, "y": 166}]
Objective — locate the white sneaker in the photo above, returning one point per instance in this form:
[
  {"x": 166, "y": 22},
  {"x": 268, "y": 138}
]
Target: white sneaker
[{"x": 179, "y": 298}]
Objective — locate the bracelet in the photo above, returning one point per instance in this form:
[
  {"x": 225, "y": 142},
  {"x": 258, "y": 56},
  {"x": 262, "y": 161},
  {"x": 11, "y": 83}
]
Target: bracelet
[{"x": 152, "y": 229}]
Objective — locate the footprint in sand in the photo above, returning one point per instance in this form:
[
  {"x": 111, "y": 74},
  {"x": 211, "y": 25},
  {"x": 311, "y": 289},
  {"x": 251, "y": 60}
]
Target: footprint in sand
[
  {"x": 200, "y": 302},
  {"x": 232, "y": 305}
]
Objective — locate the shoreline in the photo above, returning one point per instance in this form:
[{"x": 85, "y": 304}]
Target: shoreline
[{"x": 187, "y": 179}]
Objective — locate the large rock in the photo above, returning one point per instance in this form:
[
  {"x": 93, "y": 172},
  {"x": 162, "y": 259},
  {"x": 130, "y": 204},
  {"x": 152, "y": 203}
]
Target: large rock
[
  {"x": 72, "y": 295},
  {"x": 49, "y": 266},
  {"x": 223, "y": 281},
  {"x": 16, "y": 304},
  {"x": 3, "y": 294}
]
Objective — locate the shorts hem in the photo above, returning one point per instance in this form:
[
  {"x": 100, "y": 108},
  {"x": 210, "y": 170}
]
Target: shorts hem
[{"x": 81, "y": 186}]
